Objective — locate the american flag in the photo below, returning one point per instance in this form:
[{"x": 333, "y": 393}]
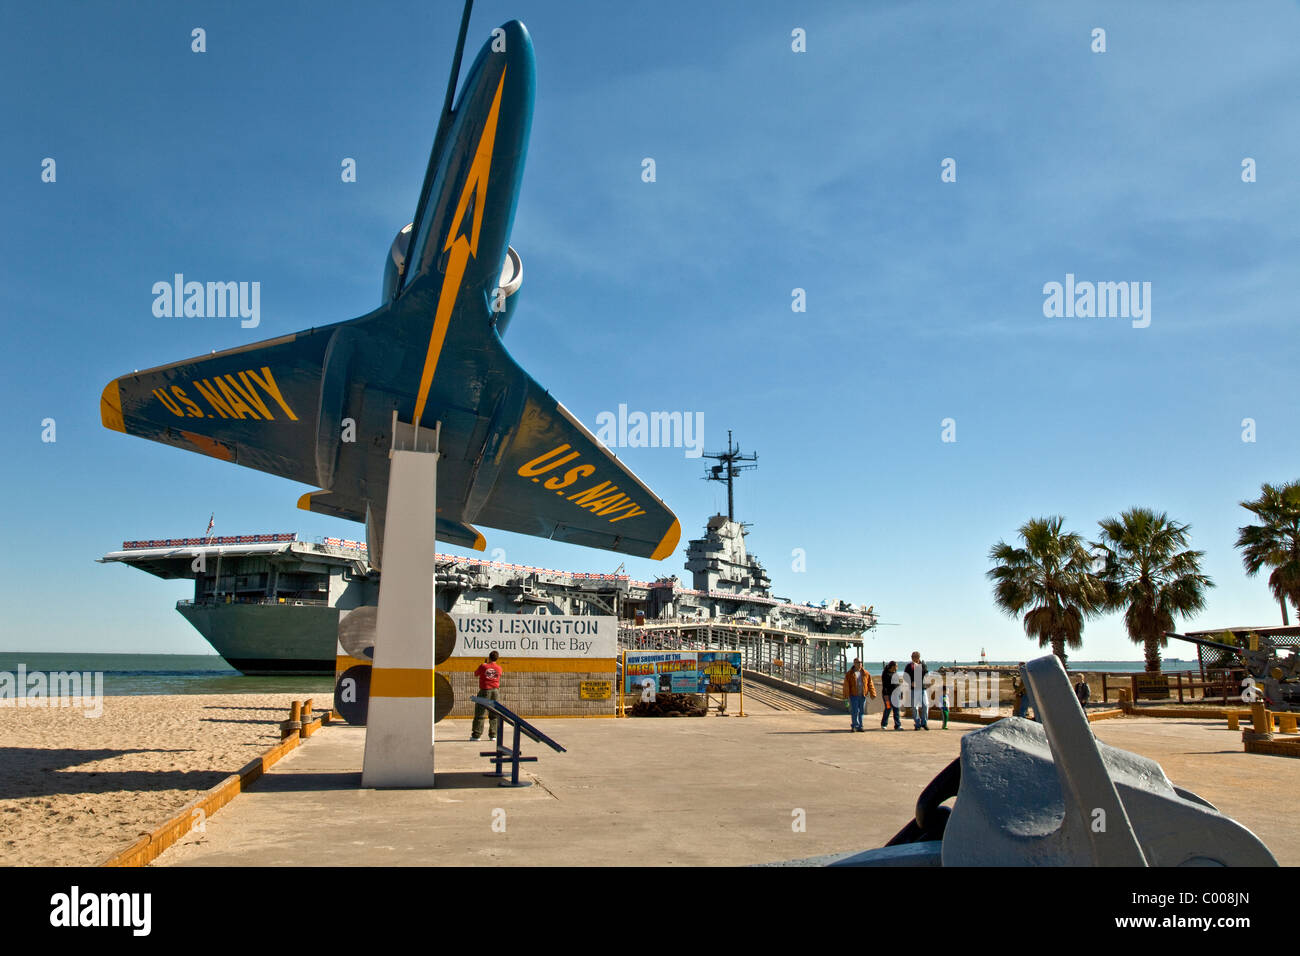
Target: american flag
[{"x": 210, "y": 519}]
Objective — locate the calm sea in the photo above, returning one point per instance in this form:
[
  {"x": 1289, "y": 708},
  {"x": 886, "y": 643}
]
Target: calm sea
[
  {"x": 1169, "y": 665},
  {"x": 133, "y": 674}
]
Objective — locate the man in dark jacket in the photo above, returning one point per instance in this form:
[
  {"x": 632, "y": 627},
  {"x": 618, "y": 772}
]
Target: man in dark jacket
[
  {"x": 916, "y": 672},
  {"x": 1082, "y": 691}
]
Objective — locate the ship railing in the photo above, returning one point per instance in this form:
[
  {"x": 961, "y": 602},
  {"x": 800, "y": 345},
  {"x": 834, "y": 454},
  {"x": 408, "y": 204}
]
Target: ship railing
[
  {"x": 815, "y": 665},
  {"x": 823, "y": 681},
  {"x": 730, "y": 624},
  {"x": 279, "y": 602},
  {"x": 721, "y": 622}
]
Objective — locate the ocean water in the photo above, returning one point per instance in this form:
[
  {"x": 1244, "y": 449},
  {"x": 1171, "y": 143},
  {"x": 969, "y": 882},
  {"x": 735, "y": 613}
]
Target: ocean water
[
  {"x": 138, "y": 674},
  {"x": 135, "y": 674}
]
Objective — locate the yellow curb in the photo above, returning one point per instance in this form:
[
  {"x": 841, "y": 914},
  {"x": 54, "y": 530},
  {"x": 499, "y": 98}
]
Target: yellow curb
[{"x": 149, "y": 847}]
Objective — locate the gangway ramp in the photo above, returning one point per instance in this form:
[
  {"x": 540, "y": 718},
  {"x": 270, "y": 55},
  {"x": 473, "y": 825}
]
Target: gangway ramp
[{"x": 766, "y": 697}]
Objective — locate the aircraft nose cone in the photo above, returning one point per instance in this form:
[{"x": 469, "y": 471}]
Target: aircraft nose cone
[
  {"x": 514, "y": 42},
  {"x": 516, "y": 31}
]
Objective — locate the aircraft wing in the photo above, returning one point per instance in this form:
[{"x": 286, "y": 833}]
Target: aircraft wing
[
  {"x": 555, "y": 480},
  {"x": 255, "y": 405}
]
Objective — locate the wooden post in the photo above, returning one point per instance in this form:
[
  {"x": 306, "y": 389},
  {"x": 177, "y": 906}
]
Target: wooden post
[
  {"x": 1180, "y": 687},
  {"x": 1105, "y": 691},
  {"x": 308, "y": 728},
  {"x": 293, "y": 725}
]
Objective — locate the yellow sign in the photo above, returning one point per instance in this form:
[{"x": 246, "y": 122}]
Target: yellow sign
[{"x": 596, "y": 689}]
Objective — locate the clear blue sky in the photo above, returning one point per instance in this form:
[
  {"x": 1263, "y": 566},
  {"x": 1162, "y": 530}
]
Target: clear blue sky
[{"x": 775, "y": 170}]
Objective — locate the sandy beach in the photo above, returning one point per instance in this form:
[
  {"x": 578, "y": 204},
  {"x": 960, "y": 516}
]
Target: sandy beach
[{"x": 74, "y": 789}]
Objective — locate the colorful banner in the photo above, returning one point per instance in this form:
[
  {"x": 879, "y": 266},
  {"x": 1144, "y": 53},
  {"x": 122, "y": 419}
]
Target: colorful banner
[
  {"x": 682, "y": 672},
  {"x": 719, "y": 671}
]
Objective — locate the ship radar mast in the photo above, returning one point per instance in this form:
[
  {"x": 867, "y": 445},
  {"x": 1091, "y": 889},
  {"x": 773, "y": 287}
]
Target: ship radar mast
[{"x": 727, "y": 469}]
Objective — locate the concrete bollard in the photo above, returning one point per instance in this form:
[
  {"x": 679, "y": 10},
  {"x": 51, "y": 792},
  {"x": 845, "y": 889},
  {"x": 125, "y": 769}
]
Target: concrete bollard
[
  {"x": 1260, "y": 718},
  {"x": 1261, "y": 722}
]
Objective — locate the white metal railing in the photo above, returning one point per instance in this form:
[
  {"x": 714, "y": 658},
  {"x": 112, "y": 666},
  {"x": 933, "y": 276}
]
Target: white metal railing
[
  {"x": 816, "y": 664},
  {"x": 284, "y": 602}
]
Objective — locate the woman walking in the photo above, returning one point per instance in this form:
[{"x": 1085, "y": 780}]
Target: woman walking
[{"x": 888, "y": 680}]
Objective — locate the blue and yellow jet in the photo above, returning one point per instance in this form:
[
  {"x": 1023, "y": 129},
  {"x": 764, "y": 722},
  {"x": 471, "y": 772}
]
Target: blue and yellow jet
[{"x": 512, "y": 457}]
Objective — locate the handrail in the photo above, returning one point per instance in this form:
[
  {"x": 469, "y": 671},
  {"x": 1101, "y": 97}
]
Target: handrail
[
  {"x": 268, "y": 602},
  {"x": 763, "y": 655}
]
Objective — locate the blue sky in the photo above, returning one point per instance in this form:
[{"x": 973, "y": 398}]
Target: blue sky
[{"x": 776, "y": 170}]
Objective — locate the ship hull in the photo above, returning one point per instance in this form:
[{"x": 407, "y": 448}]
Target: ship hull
[{"x": 269, "y": 639}]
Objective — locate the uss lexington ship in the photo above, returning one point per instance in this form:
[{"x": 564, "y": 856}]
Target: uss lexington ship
[{"x": 271, "y": 603}]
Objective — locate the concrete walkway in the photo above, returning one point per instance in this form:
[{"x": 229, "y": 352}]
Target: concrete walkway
[{"x": 696, "y": 791}]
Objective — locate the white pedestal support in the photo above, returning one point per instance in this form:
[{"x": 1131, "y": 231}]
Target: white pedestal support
[{"x": 399, "y": 725}]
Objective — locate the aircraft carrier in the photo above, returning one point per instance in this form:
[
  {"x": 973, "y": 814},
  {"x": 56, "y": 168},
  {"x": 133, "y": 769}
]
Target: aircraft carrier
[{"x": 271, "y": 603}]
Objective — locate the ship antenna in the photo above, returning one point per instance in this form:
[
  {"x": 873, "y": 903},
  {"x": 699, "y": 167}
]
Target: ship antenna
[{"x": 728, "y": 469}]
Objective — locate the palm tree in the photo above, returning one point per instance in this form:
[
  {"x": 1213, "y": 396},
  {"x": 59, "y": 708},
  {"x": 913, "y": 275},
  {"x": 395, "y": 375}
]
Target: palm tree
[
  {"x": 1150, "y": 574},
  {"x": 1050, "y": 580},
  {"x": 1275, "y": 542}
]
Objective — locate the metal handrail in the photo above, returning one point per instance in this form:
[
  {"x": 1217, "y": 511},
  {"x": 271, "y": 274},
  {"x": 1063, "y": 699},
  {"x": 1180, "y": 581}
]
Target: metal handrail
[
  {"x": 287, "y": 602},
  {"x": 755, "y": 656}
]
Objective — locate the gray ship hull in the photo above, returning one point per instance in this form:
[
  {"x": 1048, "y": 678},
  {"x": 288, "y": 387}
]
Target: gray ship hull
[{"x": 269, "y": 639}]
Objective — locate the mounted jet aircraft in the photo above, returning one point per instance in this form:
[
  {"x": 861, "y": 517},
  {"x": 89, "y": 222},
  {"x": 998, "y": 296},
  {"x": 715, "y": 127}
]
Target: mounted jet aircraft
[{"x": 511, "y": 456}]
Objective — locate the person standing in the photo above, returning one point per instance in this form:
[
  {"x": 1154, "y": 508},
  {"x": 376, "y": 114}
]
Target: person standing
[
  {"x": 1018, "y": 692},
  {"x": 888, "y": 681},
  {"x": 857, "y": 688},
  {"x": 943, "y": 705},
  {"x": 916, "y": 672},
  {"x": 1083, "y": 692},
  {"x": 1027, "y": 700},
  {"x": 489, "y": 686}
]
